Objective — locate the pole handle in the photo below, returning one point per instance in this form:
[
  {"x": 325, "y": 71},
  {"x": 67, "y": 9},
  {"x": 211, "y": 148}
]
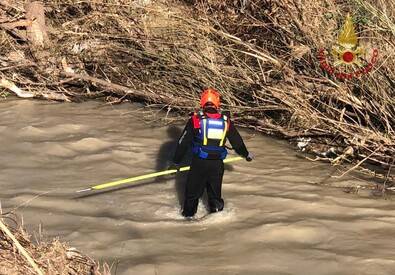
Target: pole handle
[{"x": 144, "y": 177}]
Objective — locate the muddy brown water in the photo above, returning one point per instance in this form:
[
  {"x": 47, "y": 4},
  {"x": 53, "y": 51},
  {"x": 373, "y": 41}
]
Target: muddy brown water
[{"x": 277, "y": 219}]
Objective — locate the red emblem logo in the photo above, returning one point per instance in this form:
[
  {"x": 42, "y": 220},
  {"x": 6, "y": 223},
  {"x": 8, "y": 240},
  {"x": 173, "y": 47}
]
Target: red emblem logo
[{"x": 348, "y": 58}]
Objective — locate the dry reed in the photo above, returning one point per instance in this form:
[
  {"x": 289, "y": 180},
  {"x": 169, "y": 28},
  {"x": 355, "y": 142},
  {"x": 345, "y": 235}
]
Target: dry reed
[
  {"x": 261, "y": 55},
  {"x": 52, "y": 257}
]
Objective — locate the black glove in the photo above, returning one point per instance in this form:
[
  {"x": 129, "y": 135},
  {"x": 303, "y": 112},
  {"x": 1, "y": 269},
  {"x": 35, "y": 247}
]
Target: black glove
[
  {"x": 174, "y": 166},
  {"x": 250, "y": 157}
]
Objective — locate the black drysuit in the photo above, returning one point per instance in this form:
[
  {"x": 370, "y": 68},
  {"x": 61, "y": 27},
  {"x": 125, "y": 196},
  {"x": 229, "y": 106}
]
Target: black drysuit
[{"x": 205, "y": 173}]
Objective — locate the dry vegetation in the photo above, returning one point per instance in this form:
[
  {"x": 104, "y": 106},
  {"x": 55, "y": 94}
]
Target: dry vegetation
[
  {"x": 51, "y": 258},
  {"x": 261, "y": 54}
]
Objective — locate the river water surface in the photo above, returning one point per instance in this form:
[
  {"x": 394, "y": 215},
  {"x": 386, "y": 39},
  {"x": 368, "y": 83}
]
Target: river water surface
[{"x": 279, "y": 218}]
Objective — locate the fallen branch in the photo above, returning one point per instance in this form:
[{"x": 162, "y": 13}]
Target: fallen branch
[
  {"x": 36, "y": 31},
  {"x": 53, "y": 96},
  {"x": 124, "y": 90},
  {"x": 357, "y": 165},
  {"x": 24, "y": 94},
  {"x": 20, "y": 248},
  {"x": 13, "y": 88},
  {"x": 15, "y": 24}
]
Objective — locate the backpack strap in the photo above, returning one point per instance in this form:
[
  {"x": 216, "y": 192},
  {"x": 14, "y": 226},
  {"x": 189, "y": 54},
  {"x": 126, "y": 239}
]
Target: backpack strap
[
  {"x": 196, "y": 121},
  {"x": 226, "y": 128}
]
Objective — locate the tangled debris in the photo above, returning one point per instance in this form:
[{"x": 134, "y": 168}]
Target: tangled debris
[
  {"x": 55, "y": 257},
  {"x": 261, "y": 55}
]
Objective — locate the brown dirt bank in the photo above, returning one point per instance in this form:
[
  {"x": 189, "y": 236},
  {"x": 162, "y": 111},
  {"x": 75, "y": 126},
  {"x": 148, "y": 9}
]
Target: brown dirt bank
[{"x": 261, "y": 54}]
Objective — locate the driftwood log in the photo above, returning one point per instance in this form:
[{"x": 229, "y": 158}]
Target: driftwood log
[{"x": 36, "y": 30}]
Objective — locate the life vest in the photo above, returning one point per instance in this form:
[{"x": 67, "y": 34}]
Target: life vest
[{"x": 210, "y": 135}]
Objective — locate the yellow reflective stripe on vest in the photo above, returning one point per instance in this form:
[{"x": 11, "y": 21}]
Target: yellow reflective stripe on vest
[
  {"x": 204, "y": 131},
  {"x": 224, "y": 134}
]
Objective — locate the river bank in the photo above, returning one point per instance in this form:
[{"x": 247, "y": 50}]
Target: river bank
[
  {"x": 262, "y": 55},
  {"x": 20, "y": 254}
]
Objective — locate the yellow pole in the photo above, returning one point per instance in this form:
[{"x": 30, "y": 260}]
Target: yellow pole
[{"x": 144, "y": 177}]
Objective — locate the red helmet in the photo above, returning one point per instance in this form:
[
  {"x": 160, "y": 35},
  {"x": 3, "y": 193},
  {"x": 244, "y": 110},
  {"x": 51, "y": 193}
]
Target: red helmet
[{"x": 210, "y": 95}]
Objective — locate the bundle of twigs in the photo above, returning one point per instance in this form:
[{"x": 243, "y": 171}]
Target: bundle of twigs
[
  {"x": 352, "y": 117},
  {"x": 19, "y": 255},
  {"x": 261, "y": 55}
]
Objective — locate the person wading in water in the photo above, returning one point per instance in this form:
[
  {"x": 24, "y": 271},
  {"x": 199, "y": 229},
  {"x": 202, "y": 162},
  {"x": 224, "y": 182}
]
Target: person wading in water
[{"x": 207, "y": 132}]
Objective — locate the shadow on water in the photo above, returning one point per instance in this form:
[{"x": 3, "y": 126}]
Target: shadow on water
[{"x": 164, "y": 159}]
